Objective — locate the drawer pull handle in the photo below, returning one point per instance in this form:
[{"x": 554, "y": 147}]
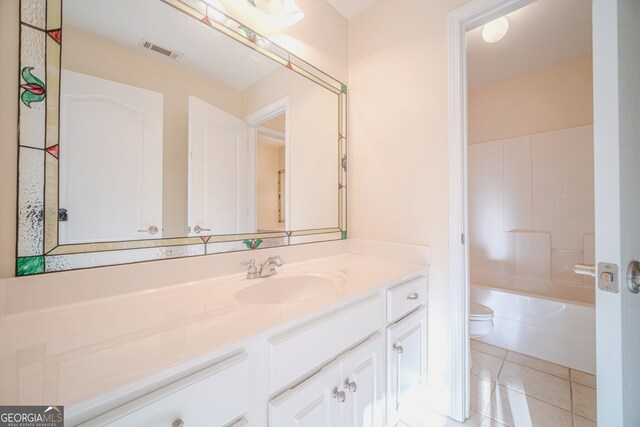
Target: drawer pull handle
[
  {"x": 178, "y": 423},
  {"x": 350, "y": 385},
  {"x": 339, "y": 395},
  {"x": 413, "y": 296},
  {"x": 398, "y": 348}
]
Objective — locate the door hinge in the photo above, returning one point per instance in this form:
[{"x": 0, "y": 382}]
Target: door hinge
[{"x": 462, "y": 238}]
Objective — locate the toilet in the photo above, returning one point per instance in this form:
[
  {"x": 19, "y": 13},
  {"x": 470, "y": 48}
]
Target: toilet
[{"x": 480, "y": 320}]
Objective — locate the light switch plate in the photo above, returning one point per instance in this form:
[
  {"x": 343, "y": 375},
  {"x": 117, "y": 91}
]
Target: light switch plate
[{"x": 608, "y": 277}]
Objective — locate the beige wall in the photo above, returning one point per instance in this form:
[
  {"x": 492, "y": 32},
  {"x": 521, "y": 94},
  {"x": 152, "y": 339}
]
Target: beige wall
[
  {"x": 556, "y": 97},
  {"x": 310, "y": 39},
  {"x": 398, "y": 143},
  {"x": 8, "y": 134},
  {"x": 89, "y": 54}
]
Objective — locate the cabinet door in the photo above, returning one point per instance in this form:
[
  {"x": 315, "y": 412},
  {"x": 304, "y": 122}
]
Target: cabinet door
[
  {"x": 311, "y": 403},
  {"x": 407, "y": 363},
  {"x": 362, "y": 373}
]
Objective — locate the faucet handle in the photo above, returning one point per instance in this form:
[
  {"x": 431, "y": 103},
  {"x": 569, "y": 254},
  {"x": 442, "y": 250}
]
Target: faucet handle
[
  {"x": 277, "y": 260},
  {"x": 252, "y": 271},
  {"x": 250, "y": 262}
]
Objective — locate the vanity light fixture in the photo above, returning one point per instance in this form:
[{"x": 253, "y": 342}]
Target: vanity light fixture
[
  {"x": 270, "y": 7},
  {"x": 216, "y": 12},
  {"x": 290, "y": 14},
  {"x": 287, "y": 10},
  {"x": 495, "y": 30}
]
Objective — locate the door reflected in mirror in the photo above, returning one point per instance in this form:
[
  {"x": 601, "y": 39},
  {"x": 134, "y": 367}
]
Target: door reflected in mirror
[{"x": 110, "y": 160}]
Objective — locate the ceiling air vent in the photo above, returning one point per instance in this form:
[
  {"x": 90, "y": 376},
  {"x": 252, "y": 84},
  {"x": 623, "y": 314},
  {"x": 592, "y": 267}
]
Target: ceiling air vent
[{"x": 162, "y": 50}]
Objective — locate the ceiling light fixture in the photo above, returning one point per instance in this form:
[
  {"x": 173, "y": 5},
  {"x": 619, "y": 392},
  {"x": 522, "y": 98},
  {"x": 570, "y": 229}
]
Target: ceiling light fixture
[
  {"x": 495, "y": 30},
  {"x": 287, "y": 10}
]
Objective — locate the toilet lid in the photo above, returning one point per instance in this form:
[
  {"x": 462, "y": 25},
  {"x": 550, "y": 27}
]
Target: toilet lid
[{"x": 479, "y": 311}]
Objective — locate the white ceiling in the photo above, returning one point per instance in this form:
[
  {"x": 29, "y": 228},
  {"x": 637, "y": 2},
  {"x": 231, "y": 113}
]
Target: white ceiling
[
  {"x": 205, "y": 51},
  {"x": 541, "y": 34},
  {"x": 351, "y": 8}
]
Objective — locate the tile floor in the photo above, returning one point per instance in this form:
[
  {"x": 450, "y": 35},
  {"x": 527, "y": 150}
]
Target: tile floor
[{"x": 512, "y": 389}]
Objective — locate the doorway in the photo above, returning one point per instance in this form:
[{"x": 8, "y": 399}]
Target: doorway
[
  {"x": 269, "y": 139},
  {"x": 522, "y": 229}
]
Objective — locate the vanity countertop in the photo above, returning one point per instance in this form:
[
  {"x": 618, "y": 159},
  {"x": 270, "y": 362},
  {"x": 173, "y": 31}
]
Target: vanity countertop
[{"x": 72, "y": 353}]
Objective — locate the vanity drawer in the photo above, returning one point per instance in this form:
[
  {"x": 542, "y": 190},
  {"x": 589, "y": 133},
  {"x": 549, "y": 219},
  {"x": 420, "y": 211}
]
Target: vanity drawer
[
  {"x": 403, "y": 298},
  {"x": 215, "y": 396},
  {"x": 311, "y": 345}
]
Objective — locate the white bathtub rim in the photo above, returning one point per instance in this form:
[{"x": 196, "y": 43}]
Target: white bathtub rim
[
  {"x": 550, "y": 314},
  {"x": 531, "y": 295}
]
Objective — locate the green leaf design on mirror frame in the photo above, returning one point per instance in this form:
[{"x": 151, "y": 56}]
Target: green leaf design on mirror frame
[
  {"x": 28, "y": 98},
  {"x": 33, "y": 87},
  {"x": 28, "y": 77},
  {"x": 253, "y": 243}
]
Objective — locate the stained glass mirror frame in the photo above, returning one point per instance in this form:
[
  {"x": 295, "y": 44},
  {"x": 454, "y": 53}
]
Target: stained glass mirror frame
[{"x": 38, "y": 249}]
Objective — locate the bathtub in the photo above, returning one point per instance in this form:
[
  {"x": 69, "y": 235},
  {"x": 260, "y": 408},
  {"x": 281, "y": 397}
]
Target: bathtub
[{"x": 557, "y": 330}]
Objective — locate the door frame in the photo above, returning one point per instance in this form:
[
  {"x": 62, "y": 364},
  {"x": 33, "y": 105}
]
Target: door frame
[
  {"x": 460, "y": 21},
  {"x": 255, "y": 120}
]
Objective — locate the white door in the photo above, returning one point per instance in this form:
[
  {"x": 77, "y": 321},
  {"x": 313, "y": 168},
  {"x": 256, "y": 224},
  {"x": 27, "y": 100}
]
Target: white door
[
  {"x": 310, "y": 403},
  {"x": 362, "y": 372},
  {"x": 110, "y": 160},
  {"x": 220, "y": 171},
  {"x": 406, "y": 366},
  {"x": 616, "y": 56}
]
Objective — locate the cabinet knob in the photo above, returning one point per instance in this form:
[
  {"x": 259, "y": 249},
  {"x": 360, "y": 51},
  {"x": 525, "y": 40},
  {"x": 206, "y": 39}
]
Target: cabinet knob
[
  {"x": 413, "y": 296},
  {"x": 350, "y": 385},
  {"x": 178, "y": 423},
  {"x": 398, "y": 348},
  {"x": 340, "y": 396}
]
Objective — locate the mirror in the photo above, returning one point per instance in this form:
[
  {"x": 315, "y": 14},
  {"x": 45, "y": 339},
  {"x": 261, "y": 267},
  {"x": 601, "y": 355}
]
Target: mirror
[{"x": 180, "y": 128}]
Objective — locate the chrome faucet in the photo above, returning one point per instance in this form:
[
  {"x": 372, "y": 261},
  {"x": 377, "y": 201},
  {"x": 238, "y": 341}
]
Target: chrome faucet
[
  {"x": 271, "y": 263},
  {"x": 266, "y": 269}
]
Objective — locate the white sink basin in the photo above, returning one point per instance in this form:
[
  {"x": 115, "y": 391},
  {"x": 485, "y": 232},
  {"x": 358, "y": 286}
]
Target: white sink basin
[{"x": 288, "y": 287}]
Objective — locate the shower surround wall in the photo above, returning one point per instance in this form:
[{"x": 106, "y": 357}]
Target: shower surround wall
[{"x": 531, "y": 213}]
